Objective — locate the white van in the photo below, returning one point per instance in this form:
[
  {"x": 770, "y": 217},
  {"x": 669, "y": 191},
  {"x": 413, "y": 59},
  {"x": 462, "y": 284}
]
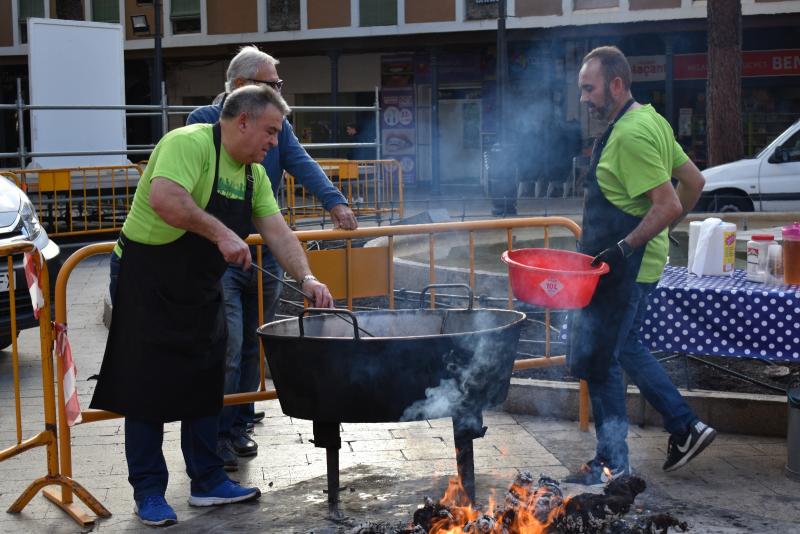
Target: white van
[{"x": 770, "y": 181}]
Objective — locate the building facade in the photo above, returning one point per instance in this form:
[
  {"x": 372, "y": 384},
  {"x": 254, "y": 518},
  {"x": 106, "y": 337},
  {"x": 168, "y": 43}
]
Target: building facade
[{"x": 434, "y": 63}]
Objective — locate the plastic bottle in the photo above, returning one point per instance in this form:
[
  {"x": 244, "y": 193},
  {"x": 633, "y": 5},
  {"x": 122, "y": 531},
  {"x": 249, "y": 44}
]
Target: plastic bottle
[
  {"x": 757, "y": 256},
  {"x": 774, "y": 274},
  {"x": 791, "y": 253}
]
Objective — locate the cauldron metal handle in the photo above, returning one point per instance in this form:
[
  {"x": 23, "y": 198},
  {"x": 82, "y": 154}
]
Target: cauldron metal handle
[
  {"x": 438, "y": 286},
  {"x": 336, "y": 311}
]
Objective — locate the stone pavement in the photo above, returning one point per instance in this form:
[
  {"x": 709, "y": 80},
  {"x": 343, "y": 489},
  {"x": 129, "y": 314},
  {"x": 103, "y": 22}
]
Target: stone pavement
[{"x": 737, "y": 485}]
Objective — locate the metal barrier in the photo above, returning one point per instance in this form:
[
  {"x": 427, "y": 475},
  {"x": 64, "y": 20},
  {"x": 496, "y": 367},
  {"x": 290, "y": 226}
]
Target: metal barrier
[
  {"x": 47, "y": 437},
  {"x": 343, "y": 270},
  {"x": 80, "y": 200},
  {"x": 164, "y": 111},
  {"x": 373, "y": 188}
]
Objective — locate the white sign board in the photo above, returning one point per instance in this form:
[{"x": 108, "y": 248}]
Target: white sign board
[{"x": 76, "y": 63}]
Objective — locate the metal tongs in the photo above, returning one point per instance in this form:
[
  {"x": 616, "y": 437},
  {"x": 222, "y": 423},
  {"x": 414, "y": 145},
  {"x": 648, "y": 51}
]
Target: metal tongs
[{"x": 307, "y": 296}]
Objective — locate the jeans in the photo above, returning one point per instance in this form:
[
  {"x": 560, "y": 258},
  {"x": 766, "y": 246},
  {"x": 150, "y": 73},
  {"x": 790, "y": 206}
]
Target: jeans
[
  {"x": 242, "y": 354},
  {"x": 147, "y": 469},
  {"x": 608, "y": 396}
]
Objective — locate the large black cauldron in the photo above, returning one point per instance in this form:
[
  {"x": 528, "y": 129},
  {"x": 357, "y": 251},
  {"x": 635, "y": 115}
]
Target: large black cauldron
[{"x": 393, "y": 365}]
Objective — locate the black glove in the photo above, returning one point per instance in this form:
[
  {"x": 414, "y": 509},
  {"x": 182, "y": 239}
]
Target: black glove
[{"x": 613, "y": 255}]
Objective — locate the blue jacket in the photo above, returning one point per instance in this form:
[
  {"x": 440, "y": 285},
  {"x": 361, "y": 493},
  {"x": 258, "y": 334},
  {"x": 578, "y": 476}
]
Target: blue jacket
[{"x": 289, "y": 155}]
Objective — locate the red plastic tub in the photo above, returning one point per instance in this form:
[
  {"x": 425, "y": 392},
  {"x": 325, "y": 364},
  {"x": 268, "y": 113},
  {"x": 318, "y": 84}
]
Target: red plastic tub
[{"x": 552, "y": 278}]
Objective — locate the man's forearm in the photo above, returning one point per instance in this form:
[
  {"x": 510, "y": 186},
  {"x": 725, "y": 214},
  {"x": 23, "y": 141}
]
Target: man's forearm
[
  {"x": 688, "y": 198},
  {"x": 664, "y": 209},
  {"x": 176, "y": 206},
  {"x": 690, "y": 187},
  {"x": 652, "y": 224}
]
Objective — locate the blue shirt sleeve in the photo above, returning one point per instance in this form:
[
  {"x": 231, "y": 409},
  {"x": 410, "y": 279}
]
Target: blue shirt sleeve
[
  {"x": 296, "y": 161},
  {"x": 205, "y": 115}
]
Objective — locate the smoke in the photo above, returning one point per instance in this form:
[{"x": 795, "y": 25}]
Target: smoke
[
  {"x": 611, "y": 436},
  {"x": 476, "y": 378}
]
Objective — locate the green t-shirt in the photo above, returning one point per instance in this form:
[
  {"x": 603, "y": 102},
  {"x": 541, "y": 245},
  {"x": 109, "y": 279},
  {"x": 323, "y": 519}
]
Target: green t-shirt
[
  {"x": 186, "y": 156},
  {"x": 639, "y": 156}
]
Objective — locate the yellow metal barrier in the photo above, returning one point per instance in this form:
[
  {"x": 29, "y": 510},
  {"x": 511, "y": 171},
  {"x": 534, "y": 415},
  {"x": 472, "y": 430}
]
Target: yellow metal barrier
[
  {"x": 47, "y": 437},
  {"x": 344, "y": 272},
  {"x": 80, "y": 200},
  {"x": 371, "y": 187}
]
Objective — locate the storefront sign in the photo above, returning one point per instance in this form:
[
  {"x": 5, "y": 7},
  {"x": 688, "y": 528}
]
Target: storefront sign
[
  {"x": 754, "y": 64},
  {"x": 648, "y": 68},
  {"x": 481, "y": 9},
  {"x": 398, "y": 130}
]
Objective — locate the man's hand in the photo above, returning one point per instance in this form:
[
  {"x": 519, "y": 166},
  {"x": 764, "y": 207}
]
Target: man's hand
[
  {"x": 234, "y": 250},
  {"x": 318, "y": 290},
  {"x": 343, "y": 217},
  {"x": 613, "y": 256}
]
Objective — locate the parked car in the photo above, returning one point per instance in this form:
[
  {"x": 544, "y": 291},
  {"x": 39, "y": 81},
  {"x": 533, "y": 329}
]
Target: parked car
[
  {"x": 770, "y": 181},
  {"x": 18, "y": 222}
]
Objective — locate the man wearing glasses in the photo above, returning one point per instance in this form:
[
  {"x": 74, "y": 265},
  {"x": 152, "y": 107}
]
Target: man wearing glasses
[{"x": 251, "y": 66}]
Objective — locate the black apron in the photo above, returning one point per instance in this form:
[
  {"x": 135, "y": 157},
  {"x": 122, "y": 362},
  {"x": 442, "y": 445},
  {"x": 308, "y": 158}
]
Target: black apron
[
  {"x": 595, "y": 329},
  {"x": 165, "y": 354}
]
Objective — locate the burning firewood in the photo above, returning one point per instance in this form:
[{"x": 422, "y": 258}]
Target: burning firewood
[
  {"x": 540, "y": 507},
  {"x": 535, "y": 508},
  {"x": 590, "y": 512}
]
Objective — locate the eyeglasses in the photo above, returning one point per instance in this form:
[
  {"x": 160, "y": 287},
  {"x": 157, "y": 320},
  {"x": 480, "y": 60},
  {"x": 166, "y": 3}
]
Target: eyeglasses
[{"x": 277, "y": 84}]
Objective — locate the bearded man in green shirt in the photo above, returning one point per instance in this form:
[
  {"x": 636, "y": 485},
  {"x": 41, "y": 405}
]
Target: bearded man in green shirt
[{"x": 629, "y": 206}]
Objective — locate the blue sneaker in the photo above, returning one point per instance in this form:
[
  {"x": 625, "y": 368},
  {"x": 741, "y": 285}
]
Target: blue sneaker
[
  {"x": 226, "y": 492},
  {"x": 154, "y": 511}
]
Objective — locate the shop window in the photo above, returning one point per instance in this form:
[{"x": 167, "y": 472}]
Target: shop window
[
  {"x": 185, "y": 16},
  {"x": 283, "y": 15},
  {"x": 377, "y": 12},
  {"x": 481, "y": 9},
  {"x": 28, "y": 9},
  {"x": 105, "y": 10}
]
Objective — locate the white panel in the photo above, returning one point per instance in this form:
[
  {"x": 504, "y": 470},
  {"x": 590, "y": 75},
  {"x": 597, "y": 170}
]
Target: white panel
[
  {"x": 76, "y": 63},
  {"x": 359, "y": 73}
]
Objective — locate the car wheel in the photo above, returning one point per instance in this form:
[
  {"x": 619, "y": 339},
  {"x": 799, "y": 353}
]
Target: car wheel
[{"x": 722, "y": 203}]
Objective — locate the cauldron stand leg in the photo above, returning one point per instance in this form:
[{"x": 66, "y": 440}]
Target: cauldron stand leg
[
  {"x": 326, "y": 436},
  {"x": 465, "y": 429}
]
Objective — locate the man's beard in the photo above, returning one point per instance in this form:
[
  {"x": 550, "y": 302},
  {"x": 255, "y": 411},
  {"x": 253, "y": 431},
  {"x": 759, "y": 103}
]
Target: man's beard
[{"x": 603, "y": 112}]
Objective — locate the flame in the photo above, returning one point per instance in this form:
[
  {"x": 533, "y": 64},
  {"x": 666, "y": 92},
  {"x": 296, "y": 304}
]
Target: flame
[
  {"x": 607, "y": 472},
  {"x": 517, "y": 515}
]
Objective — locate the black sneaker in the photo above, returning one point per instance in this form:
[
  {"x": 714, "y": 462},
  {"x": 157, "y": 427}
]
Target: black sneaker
[
  {"x": 682, "y": 448},
  {"x": 229, "y": 460},
  {"x": 595, "y": 473}
]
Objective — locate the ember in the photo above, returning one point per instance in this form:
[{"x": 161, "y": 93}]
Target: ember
[{"x": 536, "y": 508}]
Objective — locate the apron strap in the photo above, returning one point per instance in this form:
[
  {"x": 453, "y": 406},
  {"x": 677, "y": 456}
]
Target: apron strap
[{"x": 248, "y": 170}]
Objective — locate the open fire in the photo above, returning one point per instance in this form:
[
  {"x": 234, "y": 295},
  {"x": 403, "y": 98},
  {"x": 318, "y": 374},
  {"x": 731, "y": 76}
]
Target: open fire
[{"x": 536, "y": 507}]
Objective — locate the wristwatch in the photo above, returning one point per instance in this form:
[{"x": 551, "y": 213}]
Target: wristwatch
[
  {"x": 625, "y": 248},
  {"x": 306, "y": 278}
]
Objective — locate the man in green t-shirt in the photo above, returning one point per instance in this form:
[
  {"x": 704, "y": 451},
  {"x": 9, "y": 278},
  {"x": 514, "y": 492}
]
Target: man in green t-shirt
[
  {"x": 632, "y": 192},
  {"x": 202, "y": 192}
]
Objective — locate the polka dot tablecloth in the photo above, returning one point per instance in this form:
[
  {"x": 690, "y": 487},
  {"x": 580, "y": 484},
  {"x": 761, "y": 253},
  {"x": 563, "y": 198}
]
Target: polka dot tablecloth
[{"x": 723, "y": 316}]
